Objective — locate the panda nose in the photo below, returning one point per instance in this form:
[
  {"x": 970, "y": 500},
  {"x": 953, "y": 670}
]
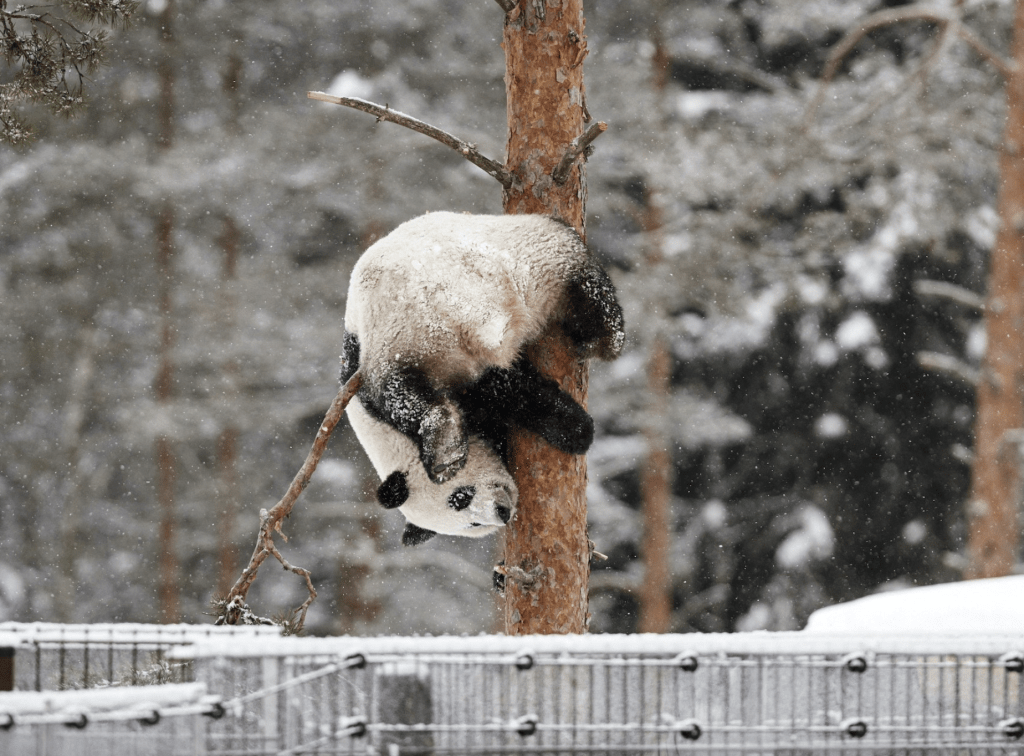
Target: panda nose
[{"x": 504, "y": 513}]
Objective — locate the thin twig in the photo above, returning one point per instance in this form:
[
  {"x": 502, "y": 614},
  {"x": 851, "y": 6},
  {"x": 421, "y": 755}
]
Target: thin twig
[
  {"x": 847, "y": 44},
  {"x": 578, "y": 146},
  {"x": 233, "y": 609},
  {"x": 1006, "y": 67},
  {"x": 919, "y": 74},
  {"x": 384, "y": 113},
  {"x": 507, "y": 5}
]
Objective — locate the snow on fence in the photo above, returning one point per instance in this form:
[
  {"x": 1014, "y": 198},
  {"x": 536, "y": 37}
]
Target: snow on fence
[
  {"x": 702, "y": 694},
  {"x": 52, "y": 656}
]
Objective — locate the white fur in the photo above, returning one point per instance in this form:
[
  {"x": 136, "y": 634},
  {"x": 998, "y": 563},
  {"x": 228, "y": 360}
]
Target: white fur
[
  {"x": 427, "y": 506},
  {"x": 464, "y": 292},
  {"x": 453, "y": 295}
]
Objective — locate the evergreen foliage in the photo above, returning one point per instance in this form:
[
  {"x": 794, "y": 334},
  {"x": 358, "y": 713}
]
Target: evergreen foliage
[{"x": 51, "y": 55}]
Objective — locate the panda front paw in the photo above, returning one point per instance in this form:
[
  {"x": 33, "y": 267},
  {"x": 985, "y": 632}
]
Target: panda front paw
[{"x": 444, "y": 445}]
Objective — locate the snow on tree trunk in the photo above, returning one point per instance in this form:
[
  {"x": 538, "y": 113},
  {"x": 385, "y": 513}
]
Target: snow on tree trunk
[
  {"x": 547, "y": 542},
  {"x": 994, "y": 504}
]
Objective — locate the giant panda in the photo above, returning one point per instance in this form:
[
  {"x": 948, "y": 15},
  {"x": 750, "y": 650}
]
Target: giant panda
[{"x": 438, "y": 314}]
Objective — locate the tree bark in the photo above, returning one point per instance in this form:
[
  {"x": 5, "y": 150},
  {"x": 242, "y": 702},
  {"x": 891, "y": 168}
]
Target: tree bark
[
  {"x": 228, "y": 554},
  {"x": 546, "y": 546},
  {"x": 169, "y": 590},
  {"x": 993, "y": 511},
  {"x": 656, "y": 480},
  {"x": 656, "y": 490}
]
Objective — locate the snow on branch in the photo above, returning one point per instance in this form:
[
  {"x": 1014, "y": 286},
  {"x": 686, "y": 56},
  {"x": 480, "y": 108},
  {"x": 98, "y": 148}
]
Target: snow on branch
[
  {"x": 384, "y": 113},
  {"x": 232, "y": 610},
  {"x": 577, "y": 147},
  {"x": 927, "y": 288},
  {"x": 949, "y": 365},
  {"x": 950, "y": 23}
]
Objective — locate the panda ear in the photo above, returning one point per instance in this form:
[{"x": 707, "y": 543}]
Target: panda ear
[
  {"x": 414, "y": 535},
  {"x": 394, "y": 491}
]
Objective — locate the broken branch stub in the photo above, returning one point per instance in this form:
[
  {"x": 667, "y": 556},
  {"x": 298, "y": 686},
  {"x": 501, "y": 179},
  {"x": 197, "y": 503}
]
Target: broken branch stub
[
  {"x": 232, "y": 610},
  {"x": 577, "y": 147}
]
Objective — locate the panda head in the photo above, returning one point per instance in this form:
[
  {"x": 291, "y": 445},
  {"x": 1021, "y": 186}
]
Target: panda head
[{"x": 478, "y": 501}]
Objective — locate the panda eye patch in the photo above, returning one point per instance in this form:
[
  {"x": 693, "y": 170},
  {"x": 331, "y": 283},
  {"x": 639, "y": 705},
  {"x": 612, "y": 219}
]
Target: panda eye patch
[{"x": 460, "y": 498}]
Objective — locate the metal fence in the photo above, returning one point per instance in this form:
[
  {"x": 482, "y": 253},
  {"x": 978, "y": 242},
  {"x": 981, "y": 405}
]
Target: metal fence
[
  {"x": 52, "y": 657},
  {"x": 777, "y": 693}
]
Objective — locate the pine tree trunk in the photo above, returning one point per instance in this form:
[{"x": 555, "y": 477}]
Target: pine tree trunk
[
  {"x": 227, "y": 443},
  {"x": 656, "y": 477},
  {"x": 994, "y": 506},
  {"x": 168, "y": 590},
  {"x": 544, "y": 50},
  {"x": 656, "y": 480},
  {"x": 656, "y": 490}
]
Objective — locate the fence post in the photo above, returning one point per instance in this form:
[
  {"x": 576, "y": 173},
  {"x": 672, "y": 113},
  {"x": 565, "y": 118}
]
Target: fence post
[
  {"x": 7, "y": 668},
  {"x": 403, "y": 696}
]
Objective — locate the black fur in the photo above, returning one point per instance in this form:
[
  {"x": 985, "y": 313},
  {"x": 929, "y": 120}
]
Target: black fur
[
  {"x": 394, "y": 491},
  {"x": 413, "y": 535},
  {"x": 406, "y": 401},
  {"x": 349, "y": 356},
  {"x": 593, "y": 316},
  {"x": 498, "y": 578},
  {"x": 461, "y": 497},
  {"x": 522, "y": 396}
]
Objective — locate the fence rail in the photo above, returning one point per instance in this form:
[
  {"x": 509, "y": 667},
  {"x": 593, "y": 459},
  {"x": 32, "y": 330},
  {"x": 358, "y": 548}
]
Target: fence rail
[{"x": 764, "y": 693}]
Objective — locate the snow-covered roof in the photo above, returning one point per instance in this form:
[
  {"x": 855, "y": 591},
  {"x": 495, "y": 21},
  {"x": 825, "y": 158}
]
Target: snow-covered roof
[{"x": 967, "y": 609}]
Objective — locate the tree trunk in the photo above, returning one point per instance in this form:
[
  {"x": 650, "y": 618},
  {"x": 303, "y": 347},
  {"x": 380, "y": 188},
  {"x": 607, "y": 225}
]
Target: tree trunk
[
  {"x": 227, "y": 443},
  {"x": 547, "y": 543},
  {"x": 656, "y": 489},
  {"x": 168, "y": 590},
  {"x": 656, "y": 479},
  {"x": 993, "y": 511}
]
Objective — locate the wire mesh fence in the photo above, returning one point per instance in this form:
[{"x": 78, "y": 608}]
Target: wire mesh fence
[
  {"x": 781, "y": 693},
  {"x": 53, "y": 656}
]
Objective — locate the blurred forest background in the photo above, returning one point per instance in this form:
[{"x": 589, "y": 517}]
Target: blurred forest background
[{"x": 174, "y": 262}]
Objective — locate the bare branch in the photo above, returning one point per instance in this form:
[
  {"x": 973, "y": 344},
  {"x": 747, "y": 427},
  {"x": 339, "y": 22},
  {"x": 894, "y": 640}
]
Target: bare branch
[
  {"x": 919, "y": 74},
  {"x": 847, "y": 44},
  {"x": 233, "y": 610},
  {"x": 1004, "y": 66},
  {"x": 950, "y": 366},
  {"x": 384, "y": 113},
  {"x": 507, "y": 5},
  {"x": 943, "y": 289},
  {"x": 579, "y": 145}
]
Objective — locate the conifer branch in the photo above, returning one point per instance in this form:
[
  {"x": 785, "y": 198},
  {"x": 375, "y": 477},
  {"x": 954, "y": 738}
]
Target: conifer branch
[
  {"x": 578, "y": 146},
  {"x": 384, "y": 113},
  {"x": 845, "y": 46},
  {"x": 50, "y": 56},
  {"x": 232, "y": 610}
]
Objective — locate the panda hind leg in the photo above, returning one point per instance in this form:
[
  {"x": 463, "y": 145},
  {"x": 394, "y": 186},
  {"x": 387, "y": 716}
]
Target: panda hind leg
[
  {"x": 593, "y": 315},
  {"x": 406, "y": 401},
  {"x": 547, "y": 410},
  {"x": 523, "y": 396}
]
